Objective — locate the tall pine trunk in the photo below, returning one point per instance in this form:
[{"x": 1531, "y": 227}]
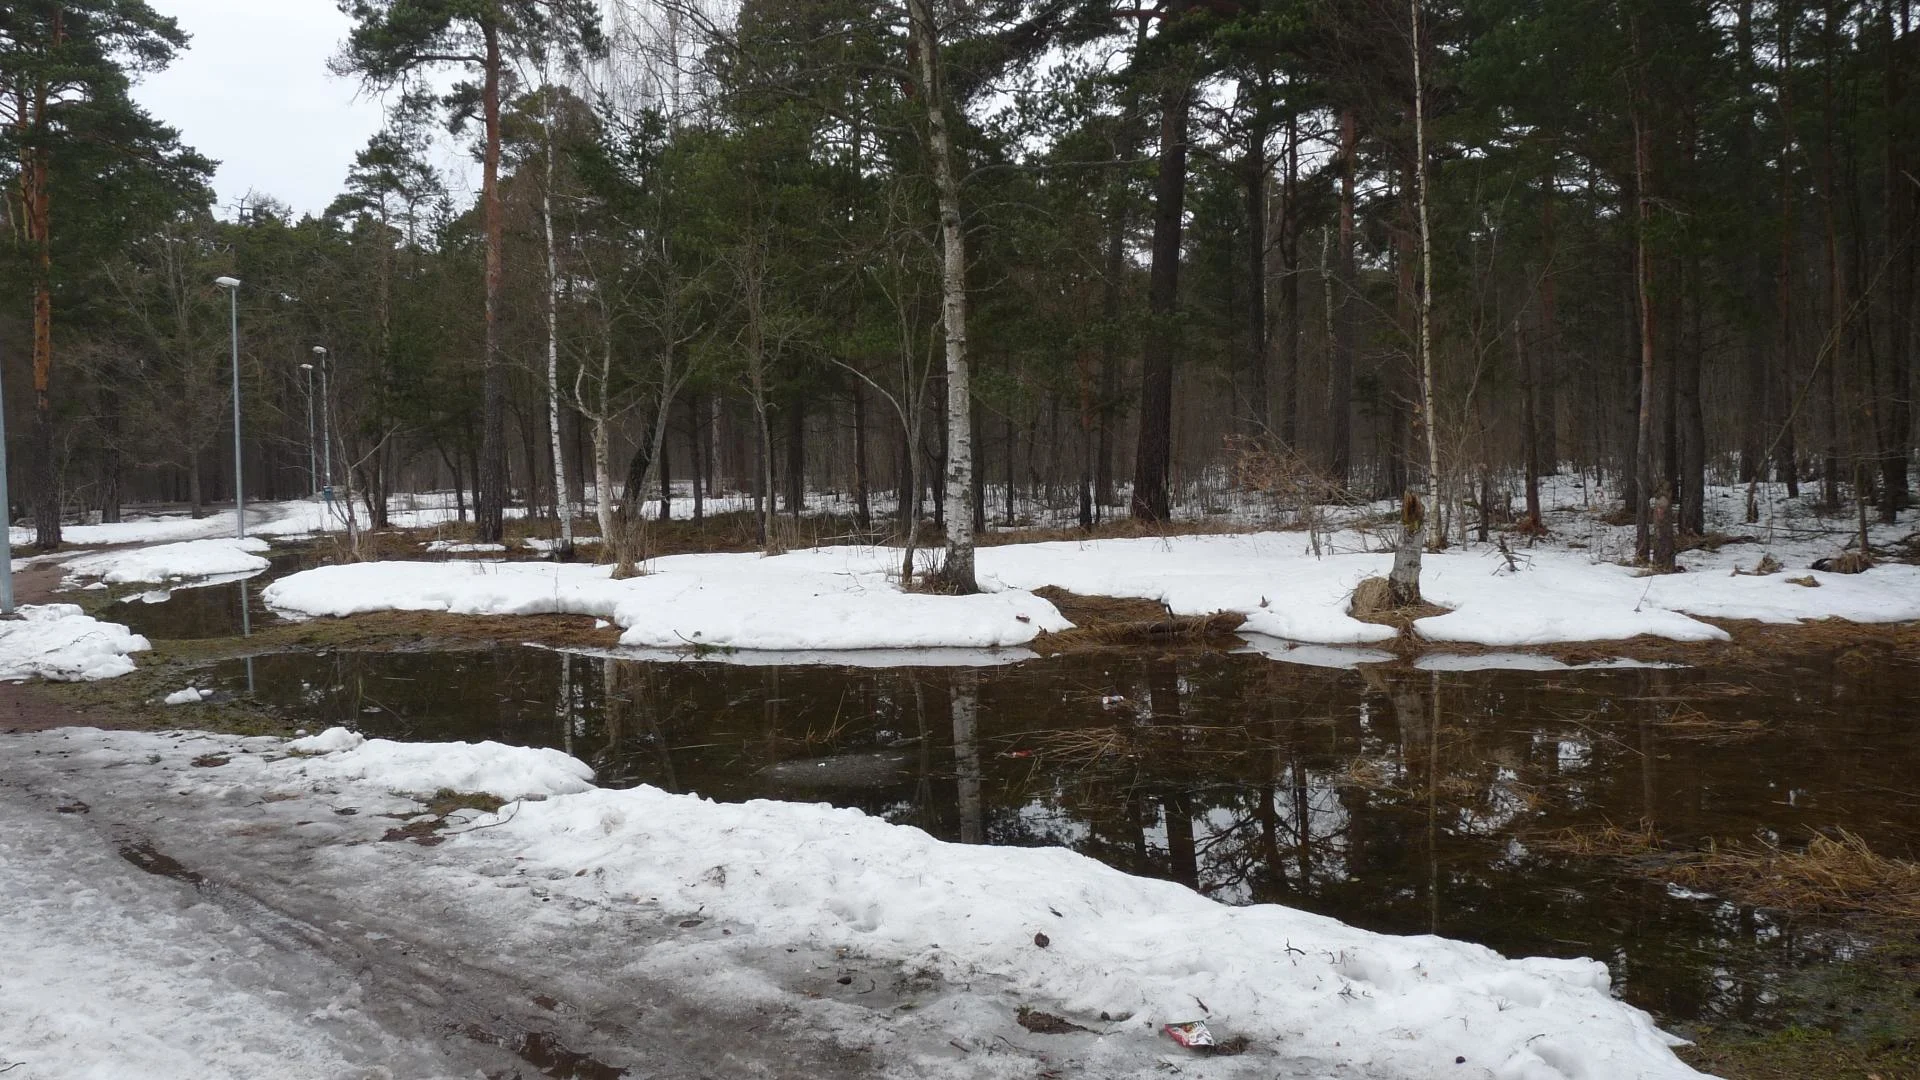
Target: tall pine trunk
[
  {"x": 1643, "y": 289},
  {"x": 1344, "y": 314},
  {"x": 1153, "y": 456},
  {"x": 490, "y": 486}
]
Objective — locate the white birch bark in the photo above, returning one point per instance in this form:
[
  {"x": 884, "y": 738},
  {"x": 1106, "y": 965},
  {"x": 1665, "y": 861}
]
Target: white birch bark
[
  {"x": 956, "y": 572},
  {"x": 562, "y": 501}
]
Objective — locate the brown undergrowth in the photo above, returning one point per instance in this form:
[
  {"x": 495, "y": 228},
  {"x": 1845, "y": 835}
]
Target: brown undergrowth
[
  {"x": 1837, "y": 874},
  {"x": 1104, "y": 622}
]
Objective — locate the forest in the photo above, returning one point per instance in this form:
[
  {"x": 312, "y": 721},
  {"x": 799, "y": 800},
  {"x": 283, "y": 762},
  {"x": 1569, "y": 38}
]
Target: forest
[{"x": 1094, "y": 259}]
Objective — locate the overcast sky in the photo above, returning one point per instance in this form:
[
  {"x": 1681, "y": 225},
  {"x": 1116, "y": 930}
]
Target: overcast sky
[{"x": 253, "y": 92}]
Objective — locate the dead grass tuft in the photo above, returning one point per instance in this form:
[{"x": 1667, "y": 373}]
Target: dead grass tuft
[
  {"x": 1101, "y": 622},
  {"x": 1687, "y": 722},
  {"x": 1603, "y": 841},
  {"x": 1836, "y": 874},
  {"x": 1847, "y": 562}
]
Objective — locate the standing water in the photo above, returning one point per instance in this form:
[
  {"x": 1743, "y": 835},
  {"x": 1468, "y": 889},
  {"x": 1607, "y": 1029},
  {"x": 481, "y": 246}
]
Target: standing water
[{"x": 1398, "y": 800}]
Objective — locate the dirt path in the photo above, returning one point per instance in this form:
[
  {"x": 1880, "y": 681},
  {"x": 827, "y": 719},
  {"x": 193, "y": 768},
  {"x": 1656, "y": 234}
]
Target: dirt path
[
  {"x": 405, "y": 979},
  {"x": 416, "y": 960}
]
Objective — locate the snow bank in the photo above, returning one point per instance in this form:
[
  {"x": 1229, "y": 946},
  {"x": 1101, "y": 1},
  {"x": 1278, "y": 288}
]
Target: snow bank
[
  {"x": 1553, "y": 597},
  {"x": 842, "y": 598},
  {"x": 328, "y": 741},
  {"x": 785, "y": 874},
  {"x": 168, "y": 562},
  {"x": 506, "y": 772},
  {"x": 820, "y": 599},
  {"x": 453, "y": 547},
  {"x": 56, "y": 641},
  {"x": 1271, "y": 578},
  {"x": 1131, "y": 947}
]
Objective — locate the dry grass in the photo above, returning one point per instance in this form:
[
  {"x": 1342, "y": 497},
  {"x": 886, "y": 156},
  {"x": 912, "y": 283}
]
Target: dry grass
[
  {"x": 1402, "y": 619},
  {"x": 1832, "y": 875},
  {"x": 1836, "y": 874},
  {"x": 1603, "y": 841},
  {"x": 1104, "y": 622},
  {"x": 1689, "y": 723}
]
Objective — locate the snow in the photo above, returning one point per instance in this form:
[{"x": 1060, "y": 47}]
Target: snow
[
  {"x": 1502, "y": 661},
  {"x": 837, "y": 598},
  {"x": 189, "y": 696},
  {"x": 58, "y": 642},
  {"x": 455, "y": 548},
  {"x": 852, "y": 658},
  {"x": 169, "y": 562},
  {"x": 328, "y": 741},
  {"x": 1320, "y": 656},
  {"x": 506, "y": 772},
  {"x": 782, "y": 873},
  {"x": 1272, "y": 578},
  {"x": 111, "y": 972},
  {"x": 841, "y": 598}
]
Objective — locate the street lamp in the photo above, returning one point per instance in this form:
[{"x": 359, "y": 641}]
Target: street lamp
[
  {"x": 326, "y": 421},
  {"x": 232, "y": 285},
  {"x": 313, "y": 468}
]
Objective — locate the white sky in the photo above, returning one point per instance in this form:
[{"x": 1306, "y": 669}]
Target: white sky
[{"x": 253, "y": 92}]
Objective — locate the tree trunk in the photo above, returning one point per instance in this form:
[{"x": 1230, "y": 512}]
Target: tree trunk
[
  {"x": 1430, "y": 417},
  {"x": 1530, "y": 428},
  {"x": 1902, "y": 217},
  {"x": 956, "y": 570},
  {"x": 1836, "y": 277},
  {"x": 1256, "y": 180},
  {"x": 1661, "y": 514},
  {"x": 1290, "y": 292},
  {"x": 196, "y": 495},
  {"x": 665, "y": 470},
  {"x": 1643, "y": 287},
  {"x": 1403, "y": 582},
  {"x": 863, "y": 512},
  {"x": 1109, "y": 392},
  {"x": 1787, "y": 456},
  {"x": 796, "y": 478},
  {"x": 696, "y": 452},
  {"x": 562, "y": 497},
  {"x": 1543, "y": 356},
  {"x": 603, "y": 480},
  {"x": 1153, "y": 456},
  {"x": 46, "y": 478},
  {"x": 110, "y": 464},
  {"x": 490, "y": 487},
  {"x": 1344, "y": 315}
]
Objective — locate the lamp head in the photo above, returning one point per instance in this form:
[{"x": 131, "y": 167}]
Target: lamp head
[
  {"x": 227, "y": 282},
  {"x": 319, "y": 350},
  {"x": 306, "y": 367}
]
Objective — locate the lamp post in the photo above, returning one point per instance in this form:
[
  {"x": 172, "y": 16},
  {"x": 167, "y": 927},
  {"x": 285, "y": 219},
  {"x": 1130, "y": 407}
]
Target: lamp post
[
  {"x": 232, "y": 285},
  {"x": 326, "y": 424},
  {"x": 313, "y": 467}
]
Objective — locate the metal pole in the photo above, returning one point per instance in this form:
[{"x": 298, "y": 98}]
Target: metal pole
[
  {"x": 239, "y": 490},
  {"x": 6, "y": 511}
]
